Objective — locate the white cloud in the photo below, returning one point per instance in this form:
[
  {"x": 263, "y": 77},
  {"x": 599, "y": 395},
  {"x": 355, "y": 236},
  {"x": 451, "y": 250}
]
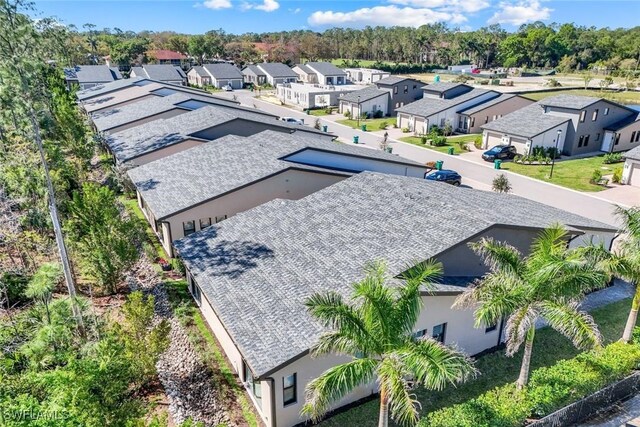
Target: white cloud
[
  {"x": 386, "y": 15},
  {"x": 266, "y": 5},
  {"x": 295, "y": 11},
  {"x": 217, "y": 4},
  {"x": 469, "y": 6},
  {"x": 520, "y": 13}
]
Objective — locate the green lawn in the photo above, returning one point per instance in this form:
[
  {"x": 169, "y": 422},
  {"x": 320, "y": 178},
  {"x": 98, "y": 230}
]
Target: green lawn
[
  {"x": 452, "y": 141},
  {"x": 575, "y": 174},
  {"x": 319, "y": 112},
  {"x": 628, "y": 97},
  {"x": 372, "y": 124},
  {"x": 496, "y": 369}
]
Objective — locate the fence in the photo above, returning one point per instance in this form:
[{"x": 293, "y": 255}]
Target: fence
[{"x": 592, "y": 404}]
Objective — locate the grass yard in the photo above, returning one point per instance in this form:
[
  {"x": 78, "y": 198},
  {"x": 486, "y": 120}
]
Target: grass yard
[
  {"x": 452, "y": 141},
  {"x": 372, "y": 124},
  {"x": 496, "y": 369},
  {"x": 319, "y": 112},
  {"x": 575, "y": 174},
  {"x": 628, "y": 97}
]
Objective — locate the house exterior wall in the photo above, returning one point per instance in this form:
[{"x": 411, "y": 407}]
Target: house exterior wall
[
  {"x": 163, "y": 152},
  {"x": 631, "y": 172},
  {"x": 197, "y": 80},
  {"x": 450, "y": 115},
  {"x": 305, "y": 98},
  {"x": 622, "y": 140},
  {"x": 357, "y": 164},
  {"x": 524, "y": 145},
  {"x": 304, "y": 77},
  {"x": 291, "y": 184},
  {"x": 220, "y": 83},
  {"x": 495, "y": 112},
  {"x": 165, "y": 115},
  {"x": 398, "y": 96},
  {"x": 273, "y": 81}
]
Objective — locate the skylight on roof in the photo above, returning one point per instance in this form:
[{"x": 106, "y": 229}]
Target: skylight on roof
[
  {"x": 192, "y": 104},
  {"x": 165, "y": 91},
  {"x": 143, "y": 83}
]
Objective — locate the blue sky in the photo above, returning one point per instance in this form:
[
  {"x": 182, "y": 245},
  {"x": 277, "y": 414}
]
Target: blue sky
[{"x": 239, "y": 16}]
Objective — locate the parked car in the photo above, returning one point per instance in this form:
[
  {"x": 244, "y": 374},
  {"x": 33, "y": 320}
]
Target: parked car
[
  {"x": 500, "y": 152},
  {"x": 292, "y": 120},
  {"x": 445, "y": 175},
  {"x": 228, "y": 88}
]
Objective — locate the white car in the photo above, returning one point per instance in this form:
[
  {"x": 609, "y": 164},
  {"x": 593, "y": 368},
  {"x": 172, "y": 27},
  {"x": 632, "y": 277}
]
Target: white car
[
  {"x": 228, "y": 88},
  {"x": 292, "y": 120}
]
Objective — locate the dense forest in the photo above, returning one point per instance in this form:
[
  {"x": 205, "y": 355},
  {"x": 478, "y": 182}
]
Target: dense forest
[{"x": 565, "y": 46}]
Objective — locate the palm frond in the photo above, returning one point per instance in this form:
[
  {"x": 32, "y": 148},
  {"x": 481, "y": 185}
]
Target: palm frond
[
  {"x": 576, "y": 325},
  {"x": 339, "y": 342},
  {"x": 335, "y": 383},
  {"x": 568, "y": 277},
  {"x": 392, "y": 374},
  {"x": 630, "y": 218},
  {"x": 375, "y": 302},
  {"x": 435, "y": 365},
  {"x": 408, "y": 299},
  {"x": 549, "y": 243},
  {"x": 518, "y": 324},
  {"x": 498, "y": 255}
]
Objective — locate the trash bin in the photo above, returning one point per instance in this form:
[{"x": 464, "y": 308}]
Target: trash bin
[
  {"x": 497, "y": 164},
  {"x": 389, "y": 149},
  {"x": 324, "y": 128},
  {"x": 355, "y": 139},
  {"x": 308, "y": 111},
  {"x": 450, "y": 151},
  {"x": 439, "y": 164},
  {"x": 364, "y": 128}
]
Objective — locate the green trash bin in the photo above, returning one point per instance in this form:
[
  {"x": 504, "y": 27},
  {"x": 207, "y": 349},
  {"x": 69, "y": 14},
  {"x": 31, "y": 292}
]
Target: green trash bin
[
  {"x": 308, "y": 111},
  {"x": 497, "y": 164},
  {"x": 450, "y": 151},
  {"x": 355, "y": 139},
  {"x": 439, "y": 164},
  {"x": 324, "y": 128},
  {"x": 389, "y": 150},
  {"x": 364, "y": 128}
]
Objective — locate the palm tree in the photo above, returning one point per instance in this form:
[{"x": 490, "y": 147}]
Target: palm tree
[
  {"x": 547, "y": 284},
  {"x": 375, "y": 326}
]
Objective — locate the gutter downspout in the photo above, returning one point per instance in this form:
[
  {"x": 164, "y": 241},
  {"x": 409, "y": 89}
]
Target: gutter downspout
[{"x": 272, "y": 419}]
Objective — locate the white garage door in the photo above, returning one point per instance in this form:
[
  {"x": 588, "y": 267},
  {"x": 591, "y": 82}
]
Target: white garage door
[
  {"x": 635, "y": 176},
  {"x": 404, "y": 121}
]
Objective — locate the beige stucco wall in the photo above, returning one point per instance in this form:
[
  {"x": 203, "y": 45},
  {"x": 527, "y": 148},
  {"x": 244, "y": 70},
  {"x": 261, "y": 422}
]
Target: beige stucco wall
[
  {"x": 498, "y": 110},
  {"x": 165, "y": 115},
  {"x": 164, "y": 152}
]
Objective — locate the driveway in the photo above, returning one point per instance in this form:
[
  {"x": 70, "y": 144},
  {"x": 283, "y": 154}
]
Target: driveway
[{"x": 475, "y": 173}]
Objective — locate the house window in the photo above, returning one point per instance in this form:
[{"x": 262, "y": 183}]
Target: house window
[
  {"x": 606, "y": 111},
  {"x": 495, "y": 117},
  {"x": 220, "y": 218},
  {"x": 473, "y": 121},
  {"x": 442, "y": 122},
  {"x": 420, "y": 334},
  {"x": 415, "y": 86},
  {"x": 195, "y": 290},
  {"x": 586, "y": 140},
  {"x": 637, "y": 136},
  {"x": 395, "y": 90},
  {"x": 491, "y": 328},
  {"x": 583, "y": 114},
  {"x": 397, "y": 104},
  {"x": 580, "y": 140},
  {"x": 289, "y": 392},
  {"x": 598, "y": 137},
  {"x": 594, "y": 117},
  {"x": 188, "y": 227},
  {"x": 486, "y": 120},
  {"x": 254, "y": 386},
  {"x": 617, "y": 139},
  {"x": 633, "y": 136},
  {"x": 204, "y": 223},
  {"x": 406, "y": 88},
  {"x": 439, "y": 332}
]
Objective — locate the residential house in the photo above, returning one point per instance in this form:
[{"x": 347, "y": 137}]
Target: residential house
[
  {"x": 163, "y": 56},
  {"x": 365, "y": 75},
  {"x": 631, "y": 170},
  {"x": 386, "y": 95},
  {"x": 445, "y": 90},
  {"x": 218, "y": 75},
  {"x": 323, "y": 73},
  {"x": 273, "y": 73},
  {"x": 583, "y": 121},
  {"x": 254, "y": 75},
  {"x": 251, "y": 274},
  {"x": 88, "y": 76},
  {"x": 165, "y": 73},
  {"x": 470, "y": 120},
  {"x": 622, "y": 135},
  {"x": 421, "y": 115},
  {"x": 313, "y": 95},
  {"x": 190, "y": 190},
  {"x": 163, "y": 137}
]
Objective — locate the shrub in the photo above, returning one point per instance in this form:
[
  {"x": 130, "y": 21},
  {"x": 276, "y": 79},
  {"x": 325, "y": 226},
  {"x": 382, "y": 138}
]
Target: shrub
[
  {"x": 477, "y": 142},
  {"x": 501, "y": 184},
  {"x": 552, "y": 83},
  {"x": 552, "y": 152},
  {"x": 612, "y": 158},
  {"x": 405, "y": 130},
  {"x": 462, "y": 145},
  {"x": 596, "y": 176},
  {"x": 383, "y": 125},
  {"x": 617, "y": 175},
  {"x": 438, "y": 141},
  {"x": 435, "y": 130},
  {"x": 548, "y": 160},
  {"x": 538, "y": 151},
  {"x": 347, "y": 114},
  {"x": 423, "y": 139},
  {"x": 518, "y": 158},
  {"x": 395, "y": 125},
  {"x": 378, "y": 114}
]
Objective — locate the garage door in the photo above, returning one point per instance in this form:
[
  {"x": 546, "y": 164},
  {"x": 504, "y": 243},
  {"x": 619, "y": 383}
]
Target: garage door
[
  {"x": 635, "y": 176},
  {"x": 404, "y": 121}
]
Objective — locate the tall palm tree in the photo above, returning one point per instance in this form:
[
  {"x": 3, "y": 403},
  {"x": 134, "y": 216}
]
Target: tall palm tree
[
  {"x": 375, "y": 326},
  {"x": 547, "y": 284}
]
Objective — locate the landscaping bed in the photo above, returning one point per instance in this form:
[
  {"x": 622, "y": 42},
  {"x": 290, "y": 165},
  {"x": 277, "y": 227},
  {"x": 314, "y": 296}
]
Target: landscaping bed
[
  {"x": 372, "y": 124},
  {"x": 452, "y": 141}
]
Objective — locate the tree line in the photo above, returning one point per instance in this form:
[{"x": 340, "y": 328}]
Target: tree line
[{"x": 567, "y": 47}]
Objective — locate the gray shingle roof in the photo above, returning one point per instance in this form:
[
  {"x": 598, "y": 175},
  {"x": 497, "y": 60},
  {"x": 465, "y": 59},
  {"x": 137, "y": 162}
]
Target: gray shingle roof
[
  {"x": 619, "y": 125},
  {"x": 110, "y": 87},
  {"x": 277, "y": 69},
  {"x": 148, "y": 137},
  {"x": 223, "y": 71},
  {"x": 92, "y": 74},
  {"x": 258, "y": 267},
  {"x": 426, "y": 107},
  {"x": 575, "y": 102},
  {"x": 526, "y": 122},
  {"x": 490, "y": 103},
  {"x": 305, "y": 69},
  {"x": 391, "y": 80},
  {"x": 326, "y": 68},
  {"x": 161, "y": 72},
  {"x": 633, "y": 154},
  {"x": 186, "y": 178},
  {"x": 441, "y": 87},
  {"x": 253, "y": 69},
  {"x": 365, "y": 94},
  {"x": 199, "y": 71}
]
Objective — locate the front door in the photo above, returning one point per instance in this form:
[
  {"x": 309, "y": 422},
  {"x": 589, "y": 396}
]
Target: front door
[{"x": 607, "y": 142}]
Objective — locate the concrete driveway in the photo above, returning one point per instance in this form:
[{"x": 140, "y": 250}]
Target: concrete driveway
[{"x": 477, "y": 174}]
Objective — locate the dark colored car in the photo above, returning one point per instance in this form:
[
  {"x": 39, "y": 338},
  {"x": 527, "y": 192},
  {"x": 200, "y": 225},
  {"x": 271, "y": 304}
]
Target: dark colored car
[
  {"x": 500, "y": 152},
  {"x": 448, "y": 176}
]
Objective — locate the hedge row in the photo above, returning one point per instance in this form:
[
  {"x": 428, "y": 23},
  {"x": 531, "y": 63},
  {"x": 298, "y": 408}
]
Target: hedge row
[{"x": 549, "y": 389}]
